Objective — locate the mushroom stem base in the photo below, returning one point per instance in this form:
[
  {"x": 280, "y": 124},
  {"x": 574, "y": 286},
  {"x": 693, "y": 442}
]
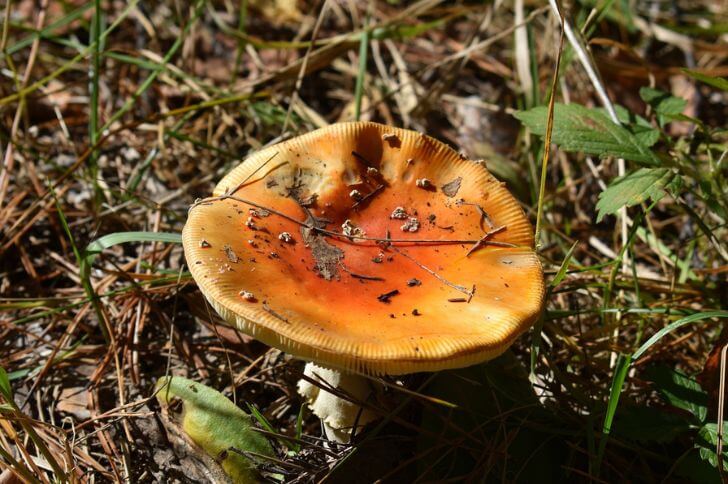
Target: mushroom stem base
[{"x": 338, "y": 415}]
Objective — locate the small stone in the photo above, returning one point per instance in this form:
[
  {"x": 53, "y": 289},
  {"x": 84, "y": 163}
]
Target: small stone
[
  {"x": 379, "y": 258},
  {"x": 424, "y": 183},
  {"x": 258, "y": 212},
  {"x": 412, "y": 225},
  {"x": 351, "y": 230},
  {"x": 285, "y": 237},
  {"x": 250, "y": 223},
  {"x": 355, "y": 194},
  {"x": 204, "y": 244},
  {"x": 414, "y": 282},
  {"x": 416, "y": 312},
  {"x": 230, "y": 253},
  {"x": 248, "y": 296},
  {"x": 399, "y": 213},
  {"x": 371, "y": 171},
  {"x": 252, "y": 243}
]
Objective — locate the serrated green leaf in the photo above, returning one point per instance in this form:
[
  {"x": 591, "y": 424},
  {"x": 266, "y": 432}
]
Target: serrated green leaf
[
  {"x": 662, "y": 102},
  {"x": 707, "y": 441},
  {"x": 637, "y": 125},
  {"x": 578, "y": 128},
  {"x": 679, "y": 390},
  {"x": 644, "y": 424},
  {"x": 215, "y": 424},
  {"x": 633, "y": 188},
  {"x": 645, "y": 135},
  {"x": 718, "y": 82}
]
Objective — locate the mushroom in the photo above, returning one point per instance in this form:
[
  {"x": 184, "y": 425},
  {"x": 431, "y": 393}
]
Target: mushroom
[{"x": 479, "y": 283}]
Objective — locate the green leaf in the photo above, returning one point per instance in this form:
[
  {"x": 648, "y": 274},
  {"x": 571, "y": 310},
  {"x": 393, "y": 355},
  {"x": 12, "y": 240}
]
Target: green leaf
[
  {"x": 637, "y": 125},
  {"x": 707, "y": 442},
  {"x": 633, "y": 188},
  {"x": 578, "y": 128},
  {"x": 662, "y": 102},
  {"x": 645, "y": 424},
  {"x": 5, "y": 389},
  {"x": 215, "y": 424},
  {"x": 680, "y": 391},
  {"x": 718, "y": 82}
]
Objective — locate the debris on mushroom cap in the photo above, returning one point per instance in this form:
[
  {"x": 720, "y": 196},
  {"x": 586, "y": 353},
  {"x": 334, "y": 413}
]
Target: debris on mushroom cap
[
  {"x": 399, "y": 213},
  {"x": 258, "y": 212},
  {"x": 285, "y": 237},
  {"x": 451, "y": 188},
  {"x": 230, "y": 253},
  {"x": 350, "y": 230},
  {"x": 355, "y": 194},
  {"x": 322, "y": 295},
  {"x": 392, "y": 139},
  {"x": 387, "y": 296},
  {"x": 248, "y": 296},
  {"x": 250, "y": 223},
  {"x": 424, "y": 183},
  {"x": 204, "y": 244},
  {"x": 372, "y": 171},
  {"x": 411, "y": 225}
]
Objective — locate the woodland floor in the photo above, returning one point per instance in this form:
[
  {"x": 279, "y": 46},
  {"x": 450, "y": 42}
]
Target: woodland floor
[{"x": 117, "y": 119}]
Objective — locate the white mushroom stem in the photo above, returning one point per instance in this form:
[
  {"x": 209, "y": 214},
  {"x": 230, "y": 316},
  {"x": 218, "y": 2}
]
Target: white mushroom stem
[{"x": 338, "y": 416}]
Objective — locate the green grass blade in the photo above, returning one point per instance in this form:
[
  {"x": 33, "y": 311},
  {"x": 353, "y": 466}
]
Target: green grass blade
[
  {"x": 46, "y": 32},
  {"x": 620, "y": 373},
  {"x": 677, "y": 324}
]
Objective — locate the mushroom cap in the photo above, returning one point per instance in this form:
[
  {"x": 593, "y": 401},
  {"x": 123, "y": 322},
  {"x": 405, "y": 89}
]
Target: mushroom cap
[{"x": 418, "y": 298}]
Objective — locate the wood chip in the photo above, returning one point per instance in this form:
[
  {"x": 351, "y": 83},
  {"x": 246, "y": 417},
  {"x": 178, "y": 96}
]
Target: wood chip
[
  {"x": 451, "y": 189},
  {"x": 230, "y": 253}
]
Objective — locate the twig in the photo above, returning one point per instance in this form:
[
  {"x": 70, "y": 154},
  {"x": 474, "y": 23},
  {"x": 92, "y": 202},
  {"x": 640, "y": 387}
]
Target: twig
[
  {"x": 368, "y": 196},
  {"x": 360, "y": 276},
  {"x": 457, "y": 287},
  {"x": 481, "y": 242}
]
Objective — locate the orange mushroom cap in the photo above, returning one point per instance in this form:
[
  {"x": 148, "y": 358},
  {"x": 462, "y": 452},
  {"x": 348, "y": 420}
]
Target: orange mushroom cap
[{"x": 367, "y": 248}]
